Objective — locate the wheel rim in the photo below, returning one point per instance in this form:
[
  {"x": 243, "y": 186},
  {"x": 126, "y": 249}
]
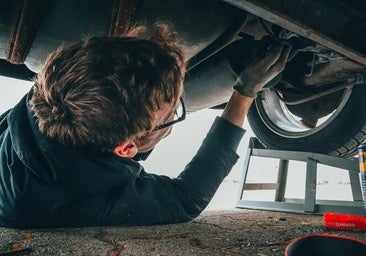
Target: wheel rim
[{"x": 278, "y": 118}]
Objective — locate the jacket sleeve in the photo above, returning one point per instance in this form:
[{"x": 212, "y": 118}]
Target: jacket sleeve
[
  {"x": 3, "y": 121},
  {"x": 156, "y": 199}
]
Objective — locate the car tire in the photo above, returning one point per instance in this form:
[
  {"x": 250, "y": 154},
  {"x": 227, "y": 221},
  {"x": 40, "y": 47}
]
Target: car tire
[{"x": 339, "y": 136}]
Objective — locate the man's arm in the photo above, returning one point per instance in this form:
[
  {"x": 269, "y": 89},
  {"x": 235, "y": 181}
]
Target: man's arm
[{"x": 237, "y": 108}]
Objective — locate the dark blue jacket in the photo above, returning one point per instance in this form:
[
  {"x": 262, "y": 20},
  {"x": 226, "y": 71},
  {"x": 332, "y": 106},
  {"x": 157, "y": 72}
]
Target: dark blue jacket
[{"x": 44, "y": 184}]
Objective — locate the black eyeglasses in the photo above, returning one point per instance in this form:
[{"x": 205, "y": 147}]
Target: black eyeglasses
[{"x": 179, "y": 116}]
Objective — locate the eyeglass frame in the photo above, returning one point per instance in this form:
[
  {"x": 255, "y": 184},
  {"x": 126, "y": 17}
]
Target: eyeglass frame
[{"x": 170, "y": 123}]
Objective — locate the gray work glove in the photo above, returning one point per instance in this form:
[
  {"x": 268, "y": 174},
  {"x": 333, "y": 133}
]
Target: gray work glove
[{"x": 260, "y": 71}]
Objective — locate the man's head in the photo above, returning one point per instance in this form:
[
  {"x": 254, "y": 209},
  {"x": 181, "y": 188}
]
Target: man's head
[{"x": 103, "y": 92}]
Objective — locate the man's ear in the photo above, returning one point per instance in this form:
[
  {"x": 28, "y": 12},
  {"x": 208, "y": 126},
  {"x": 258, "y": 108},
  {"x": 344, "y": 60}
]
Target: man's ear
[{"x": 126, "y": 149}]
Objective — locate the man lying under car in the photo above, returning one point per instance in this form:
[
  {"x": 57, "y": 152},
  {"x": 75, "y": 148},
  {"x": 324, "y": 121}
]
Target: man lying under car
[{"x": 69, "y": 149}]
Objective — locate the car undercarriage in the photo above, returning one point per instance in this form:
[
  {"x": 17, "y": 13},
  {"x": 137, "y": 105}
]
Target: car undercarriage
[{"x": 317, "y": 104}]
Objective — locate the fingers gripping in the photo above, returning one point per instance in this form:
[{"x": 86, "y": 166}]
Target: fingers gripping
[
  {"x": 280, "y": 64},
  {"x": 272, "y": 55},
  {"x": 252, "y": 79}
]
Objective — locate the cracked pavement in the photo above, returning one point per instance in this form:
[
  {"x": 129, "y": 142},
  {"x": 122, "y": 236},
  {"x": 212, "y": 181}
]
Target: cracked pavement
[{"x": 236, "y": 232}]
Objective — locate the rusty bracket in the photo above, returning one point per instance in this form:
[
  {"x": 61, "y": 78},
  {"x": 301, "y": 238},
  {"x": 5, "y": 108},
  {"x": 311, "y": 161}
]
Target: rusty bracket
[
  {"x": 29, "y": 15},
  {"x": 122, "y": 16}
]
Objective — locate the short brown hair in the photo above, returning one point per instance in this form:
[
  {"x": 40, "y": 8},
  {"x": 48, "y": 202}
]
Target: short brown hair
[{"x": 103, "y": 91}]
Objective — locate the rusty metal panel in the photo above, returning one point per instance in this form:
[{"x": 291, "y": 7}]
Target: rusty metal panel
[{"x": 329, "y": 23}]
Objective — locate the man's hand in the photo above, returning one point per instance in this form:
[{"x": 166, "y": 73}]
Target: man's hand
[
  {"x": 260, "y": 71},
  {"x": 251, "y": 81}
]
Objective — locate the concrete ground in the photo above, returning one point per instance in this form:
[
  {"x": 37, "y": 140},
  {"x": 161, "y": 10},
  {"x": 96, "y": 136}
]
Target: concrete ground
[{"x": 237, "y": 232}]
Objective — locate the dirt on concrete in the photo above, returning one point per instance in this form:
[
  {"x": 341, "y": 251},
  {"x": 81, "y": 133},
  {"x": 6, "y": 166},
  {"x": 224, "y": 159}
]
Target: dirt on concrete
[{"x": 236, "y": 232}]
